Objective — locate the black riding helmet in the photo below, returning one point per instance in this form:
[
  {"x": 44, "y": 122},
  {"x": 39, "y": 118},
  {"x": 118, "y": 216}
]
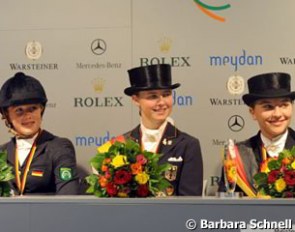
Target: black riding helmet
[{"x": 20, "y": 90}]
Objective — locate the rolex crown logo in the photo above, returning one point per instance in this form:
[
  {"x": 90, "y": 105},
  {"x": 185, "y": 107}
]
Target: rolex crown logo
[
  {"x": 98, "y": 85},
  {"x": 165, "y": 45}
]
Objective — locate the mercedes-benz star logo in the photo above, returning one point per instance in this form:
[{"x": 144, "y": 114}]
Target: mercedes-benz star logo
[
  {"x": 236, "y": 123},
  {"x": 98, "y": 46}
]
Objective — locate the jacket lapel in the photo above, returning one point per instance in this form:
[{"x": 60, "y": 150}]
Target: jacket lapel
[
  {"x": 11, "y": 152},
  {"x": 290, "y": 142},
  {"x": 168, "y": 140},
  {"x": 41, "y": 142},
  {"x": 135, "y": 135}
]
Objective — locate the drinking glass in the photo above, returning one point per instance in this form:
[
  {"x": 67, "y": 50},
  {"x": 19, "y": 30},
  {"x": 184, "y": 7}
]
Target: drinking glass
[{"x": 230, "y": 173}]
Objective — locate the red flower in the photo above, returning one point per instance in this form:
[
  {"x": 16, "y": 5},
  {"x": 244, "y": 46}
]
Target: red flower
[
  {"x": 122, "y": 177},
  {"x": 142, "y": 190},
  {"x": 273, "y": 176},
  {"x": 141, "y": 159},
  {"x": 287, "y": 194},
  {"x": 119, "y": 138},
  {"x": 289, "y": 177},
  {"x": 107, "y": 174},
  {"x": 112, "y": 189}
]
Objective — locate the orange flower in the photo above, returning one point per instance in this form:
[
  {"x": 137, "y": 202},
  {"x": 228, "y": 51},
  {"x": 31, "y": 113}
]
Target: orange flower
[
  {"x": 264, "y": 167},
  {"x": 136, "y": 168},
  {"x": 231, "y": 174},
  {"x": 228, "y": 163},
  {"x": 104, "y": 168},
  {"x": 102, "y": 181},
  {"x": 107, "y": 160},
  {"x": 286, "y": 161}
]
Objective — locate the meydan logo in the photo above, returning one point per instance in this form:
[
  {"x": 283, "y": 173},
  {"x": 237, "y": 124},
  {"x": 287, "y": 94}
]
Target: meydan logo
[{"x": 207, "y": 9}]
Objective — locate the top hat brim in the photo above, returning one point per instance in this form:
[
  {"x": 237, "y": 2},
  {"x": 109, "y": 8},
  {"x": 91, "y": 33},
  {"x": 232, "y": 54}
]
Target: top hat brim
[
  {"x": 132, "y": 90},
  {"x": 249, "y": 99}
]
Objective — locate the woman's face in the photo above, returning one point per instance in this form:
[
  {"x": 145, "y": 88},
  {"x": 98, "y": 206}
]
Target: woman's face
[
  {"x": 273, "y": 115},
  {"x": 154, "y": 105},
  {"x": 26, "y": 119}
]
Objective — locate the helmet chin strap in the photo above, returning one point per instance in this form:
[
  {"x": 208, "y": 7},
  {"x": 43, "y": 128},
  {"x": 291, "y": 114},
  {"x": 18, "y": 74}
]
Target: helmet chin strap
[
  {"x": 14, "y": 132},
  {"x": 9, "y": 125}
]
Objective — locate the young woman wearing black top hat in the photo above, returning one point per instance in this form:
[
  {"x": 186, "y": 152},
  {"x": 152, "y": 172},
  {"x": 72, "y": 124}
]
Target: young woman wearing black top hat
[
  {"x": 270, "y": 103},
  {"x": 151, "y": 91}
]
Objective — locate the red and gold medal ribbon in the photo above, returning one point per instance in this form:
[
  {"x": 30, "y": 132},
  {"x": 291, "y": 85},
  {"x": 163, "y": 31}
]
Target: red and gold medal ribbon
[
  {"x": 21, "y": 183},
  {"x": 263, "y": 153},
  {"x": 242, "y": 180},
  {"x": 263, "y": 166}
]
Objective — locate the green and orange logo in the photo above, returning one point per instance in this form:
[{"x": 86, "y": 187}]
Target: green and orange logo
[{"x": 207, "y": 9}]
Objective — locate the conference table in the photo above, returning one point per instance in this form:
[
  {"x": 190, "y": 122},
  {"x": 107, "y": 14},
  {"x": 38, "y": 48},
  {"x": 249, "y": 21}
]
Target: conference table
[{"x": 173, "y": 214}]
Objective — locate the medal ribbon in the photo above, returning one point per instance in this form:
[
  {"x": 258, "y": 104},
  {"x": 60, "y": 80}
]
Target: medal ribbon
[
  {"x": 263, "y": 153},
  {"x": 21, "y": 183},
  {"x": 263, "y": 165}
]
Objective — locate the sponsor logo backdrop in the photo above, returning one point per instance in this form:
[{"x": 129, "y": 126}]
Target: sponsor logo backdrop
[{"x": 81, "y": 52}]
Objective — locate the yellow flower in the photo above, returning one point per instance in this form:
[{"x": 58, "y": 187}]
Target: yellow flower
[
  {"x": 231, "y": 174},
  {"x": 142, "y": 178},
  {"x": 263, "y": 196},
  {"x": 293, "y": 164},
  {"x": 119, "y": 161},
  {"x": 280, "y": 185},
  {"x": 122, "y": 194},
  {"x": 105, "y": 147}
]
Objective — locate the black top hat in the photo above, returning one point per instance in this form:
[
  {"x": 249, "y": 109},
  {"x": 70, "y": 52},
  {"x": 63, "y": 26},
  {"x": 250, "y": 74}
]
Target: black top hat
[
  {"x": 150, "y": 77},
  {"x": 268, "y": 85},
  {"x": 21, "y": 89}
]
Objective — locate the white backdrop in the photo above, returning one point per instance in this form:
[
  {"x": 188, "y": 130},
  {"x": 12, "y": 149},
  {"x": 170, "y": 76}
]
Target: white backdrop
[{"x": 85, "y": 90}]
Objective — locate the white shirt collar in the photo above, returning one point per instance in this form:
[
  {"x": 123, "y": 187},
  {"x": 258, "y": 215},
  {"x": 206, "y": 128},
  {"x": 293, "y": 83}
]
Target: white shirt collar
[
  {"x": 275, "y": 145},
  {"x": 25, "y": 143},
  {"x": 23, "y": 148},
  {"x": 153, "y": 132},
  {"x": 151, "y": 137}
]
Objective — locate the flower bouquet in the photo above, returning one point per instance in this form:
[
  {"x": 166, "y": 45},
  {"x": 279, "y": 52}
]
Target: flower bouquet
[
  {"x": 277, "y": 176},
  {"x": 5, "y": 176},
  {"x": 124, "y": 170}
]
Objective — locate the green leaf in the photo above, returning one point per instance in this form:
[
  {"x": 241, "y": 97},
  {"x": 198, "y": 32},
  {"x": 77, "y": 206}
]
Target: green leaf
[
  {"x": 90, "y": 189},
  {"x": 5, "y": 175},
  {"x": 274, "y": 164},
  {"x": 96, "y": 162},
  {"x": 260, "y": 178},
  {"x": 92, "y": 179}
]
